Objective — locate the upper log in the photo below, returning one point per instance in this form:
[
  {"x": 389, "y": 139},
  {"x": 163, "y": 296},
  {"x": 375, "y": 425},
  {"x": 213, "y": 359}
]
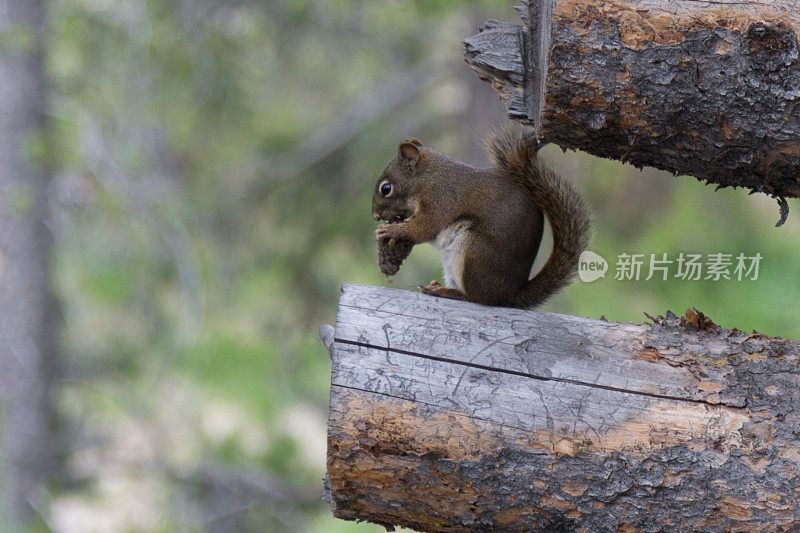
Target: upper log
[
  {"x": 451, "y": 416},
  {"x": 701, "y": 88}
]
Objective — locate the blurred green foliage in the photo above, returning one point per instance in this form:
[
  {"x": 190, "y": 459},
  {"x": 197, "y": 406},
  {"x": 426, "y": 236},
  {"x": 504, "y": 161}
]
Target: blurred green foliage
[{"x": 214, "y": 163}]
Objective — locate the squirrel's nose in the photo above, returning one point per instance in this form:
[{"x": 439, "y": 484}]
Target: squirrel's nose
[{"x": 375, "y": 215}]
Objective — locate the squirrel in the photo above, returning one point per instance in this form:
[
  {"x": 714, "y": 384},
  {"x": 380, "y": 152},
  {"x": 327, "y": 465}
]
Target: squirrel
[{"x": 488, "y": 222}]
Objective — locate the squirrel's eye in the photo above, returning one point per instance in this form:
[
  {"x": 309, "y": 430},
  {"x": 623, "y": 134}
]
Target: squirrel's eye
[{"x": 386, "y": 189}]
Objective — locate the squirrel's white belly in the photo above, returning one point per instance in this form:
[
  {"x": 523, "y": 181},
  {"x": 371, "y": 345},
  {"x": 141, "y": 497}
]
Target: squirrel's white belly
[{"x": 451, "y": 241}]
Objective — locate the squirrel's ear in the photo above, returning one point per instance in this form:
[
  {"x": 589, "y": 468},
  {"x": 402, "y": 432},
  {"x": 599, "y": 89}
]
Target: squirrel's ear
[
  {"x": 414, "y": 141},
  {"x": 409, "y": 151}
]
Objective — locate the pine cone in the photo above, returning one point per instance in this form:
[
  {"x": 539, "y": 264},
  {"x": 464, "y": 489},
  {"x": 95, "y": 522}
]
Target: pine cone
[{"x": 391, "y": 257}]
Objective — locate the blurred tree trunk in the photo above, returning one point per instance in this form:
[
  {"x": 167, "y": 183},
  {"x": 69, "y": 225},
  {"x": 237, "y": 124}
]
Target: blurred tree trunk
[{"x": 27, "y": 349}]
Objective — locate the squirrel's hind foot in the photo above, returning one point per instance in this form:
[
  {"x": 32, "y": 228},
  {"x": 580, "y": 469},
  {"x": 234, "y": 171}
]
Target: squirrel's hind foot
[{"x": 434, "y": 288}]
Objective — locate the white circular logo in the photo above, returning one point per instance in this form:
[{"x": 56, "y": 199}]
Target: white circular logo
[{"x": 591, "y": 267}]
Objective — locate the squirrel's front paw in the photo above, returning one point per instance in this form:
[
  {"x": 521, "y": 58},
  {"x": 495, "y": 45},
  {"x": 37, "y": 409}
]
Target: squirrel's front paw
[{"x": 391, "y": 233}]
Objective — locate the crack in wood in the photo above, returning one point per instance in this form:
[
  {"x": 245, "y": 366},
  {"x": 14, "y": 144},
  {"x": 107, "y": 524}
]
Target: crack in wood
[{"x": 537, "y": 377}]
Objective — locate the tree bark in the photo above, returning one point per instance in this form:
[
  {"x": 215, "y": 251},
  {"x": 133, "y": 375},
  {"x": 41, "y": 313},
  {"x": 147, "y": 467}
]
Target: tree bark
[
  {"x": 26, "y": 328},
  {"x": 701, "y": 88},
  {"x": 450, "y": 416}
]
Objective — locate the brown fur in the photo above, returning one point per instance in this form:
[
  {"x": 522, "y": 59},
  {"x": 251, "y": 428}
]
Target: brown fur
[{"x": 494, "y": 216}]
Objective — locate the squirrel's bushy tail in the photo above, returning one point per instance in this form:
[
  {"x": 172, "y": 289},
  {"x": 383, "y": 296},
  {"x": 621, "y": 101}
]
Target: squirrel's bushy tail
[{"x": 514, "y": 151}]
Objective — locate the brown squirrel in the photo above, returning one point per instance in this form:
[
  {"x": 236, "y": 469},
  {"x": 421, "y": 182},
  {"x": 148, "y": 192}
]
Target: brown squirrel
[{"x": 487, "y": 222}]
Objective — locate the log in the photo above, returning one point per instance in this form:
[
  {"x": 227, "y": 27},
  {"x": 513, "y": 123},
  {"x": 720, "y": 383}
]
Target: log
[
  {"x": 707, "y": 89},
  {"x": 451, "y": 416}
]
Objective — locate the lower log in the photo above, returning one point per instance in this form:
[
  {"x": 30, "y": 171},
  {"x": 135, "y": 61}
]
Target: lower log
[{"x": 448, "y": 416}]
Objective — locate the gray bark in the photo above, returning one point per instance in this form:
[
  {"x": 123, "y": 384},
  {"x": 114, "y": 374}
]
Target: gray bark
[
  {"x": 450, "y": 416},
  {"x": 26, "y": 326},
  {"x": 707, "y": 89}
]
